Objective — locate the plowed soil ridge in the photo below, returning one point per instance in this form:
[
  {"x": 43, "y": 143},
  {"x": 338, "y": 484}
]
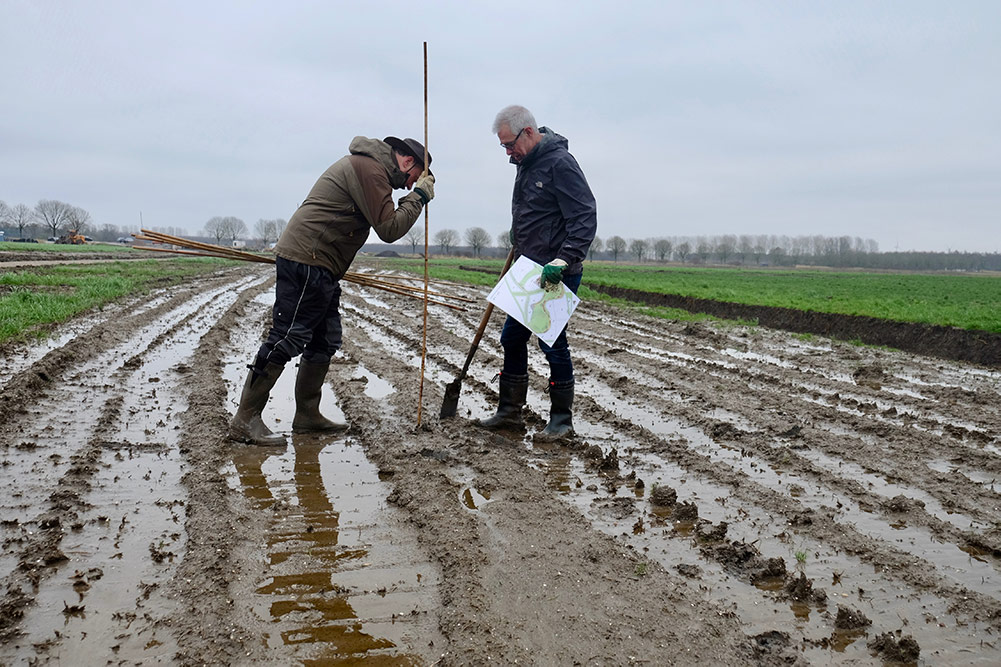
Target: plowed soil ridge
[{"x": 979, "y": 347}]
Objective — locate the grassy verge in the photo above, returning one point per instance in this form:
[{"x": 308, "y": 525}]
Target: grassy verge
[
  {"x": 965, "y": 301},
  {"x": 32, "y": 298}
]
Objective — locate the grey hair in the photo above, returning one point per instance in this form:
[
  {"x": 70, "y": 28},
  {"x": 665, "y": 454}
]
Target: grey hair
[{"x": 516, "y": 118}]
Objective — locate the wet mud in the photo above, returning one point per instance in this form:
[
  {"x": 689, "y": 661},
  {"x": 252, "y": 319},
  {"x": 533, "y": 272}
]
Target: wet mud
[{"x": 734, "y": 495}]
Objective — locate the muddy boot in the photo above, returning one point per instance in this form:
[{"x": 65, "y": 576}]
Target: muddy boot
[
  {"x": 560, "y": 417},
  {"x": 247, "y": 425},
  {"x": 513, "y": 391},
  {"x": 308, "y": 386}
]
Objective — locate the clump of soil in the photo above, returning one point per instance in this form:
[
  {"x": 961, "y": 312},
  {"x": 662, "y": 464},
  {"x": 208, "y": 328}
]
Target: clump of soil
[
  {"x": 801, "y": 589},
  {"x": 905, "y": 649},
  {"x": 903, "y": 504},
  {"x": 686, "y": 511},
  {"x": 872, "y": 376},
  {"x": 744, "y": 560},
  {"x": 689, "y": 570},
  {"x": 707, "y": 531},
  {"x": 663, "y": 496},
  {"x": 850, "y": 619}
]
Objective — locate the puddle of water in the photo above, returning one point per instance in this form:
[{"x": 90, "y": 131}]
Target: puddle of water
[
  {"x": 881, "y": 487},
  {"x": 375, "y": 387},
  {"x": 120, "y": 553},
  {"x": 988, "y": 480},
  {"x": 344, "y": 581}
]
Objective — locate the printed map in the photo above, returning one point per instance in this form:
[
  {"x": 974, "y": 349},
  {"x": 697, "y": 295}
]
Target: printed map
[{"x": 544, "y": 313}]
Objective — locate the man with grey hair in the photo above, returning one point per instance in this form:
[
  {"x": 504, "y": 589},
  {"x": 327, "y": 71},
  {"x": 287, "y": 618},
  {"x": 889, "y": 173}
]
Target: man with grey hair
[{"x": 553, "y": 222}]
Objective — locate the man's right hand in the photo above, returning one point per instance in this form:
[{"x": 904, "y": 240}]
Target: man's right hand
[{"x": 424, "y": 187}]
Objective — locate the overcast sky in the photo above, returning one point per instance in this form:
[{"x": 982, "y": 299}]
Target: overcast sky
[{"x": 874, "y": 119}]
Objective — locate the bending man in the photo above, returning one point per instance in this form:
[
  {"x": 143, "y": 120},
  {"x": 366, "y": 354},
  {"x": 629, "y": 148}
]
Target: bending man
[{"x": 350, "y": 198}]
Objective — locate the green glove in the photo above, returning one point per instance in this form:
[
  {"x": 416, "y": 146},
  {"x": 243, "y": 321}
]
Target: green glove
[
  {"x": 552, "y": 275},
  {"x": 424, "y": 187}
]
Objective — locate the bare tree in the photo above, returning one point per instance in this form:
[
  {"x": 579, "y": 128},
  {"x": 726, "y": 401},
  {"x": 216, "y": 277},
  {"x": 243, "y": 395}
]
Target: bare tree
[
  {"x": 445, "y": 239},
  {"x": 4, "y": 212},
  {"x": 703, "y": 249},
  {"x": 215, "y": 228},
  {"x": 235, "y": 227},
  {"x": 53, "y": 214},
  {"x": 20, "y": 216},
  {"x": 662, "y": 248},
  {"x": 638, "y": 247},
  {"x": 616, "y": 245},
  {"x": 504, "y": 241},
  {"x": 596, "y": 246},
  {"x": 78, "y": 219},
  {"x": 266, "y": 229},
  {"x": 683, "y": 250},
  {"x": 477, "y": 238},
  {"x": 726, "y": 247},
  {"x": 416, "y": 237}
]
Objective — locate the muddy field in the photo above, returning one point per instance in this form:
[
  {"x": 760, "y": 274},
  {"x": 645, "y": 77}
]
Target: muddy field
[{"x": 735, "y": 496}]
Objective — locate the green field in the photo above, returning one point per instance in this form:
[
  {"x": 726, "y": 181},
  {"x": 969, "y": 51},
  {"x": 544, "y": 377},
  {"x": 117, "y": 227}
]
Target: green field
[
  {"x": 31, "y": 298},
  {"x": 964, "y": 301}
]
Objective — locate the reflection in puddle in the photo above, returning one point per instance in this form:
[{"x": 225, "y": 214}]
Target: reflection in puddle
[
  {"x": 342, "y": 579},
  {"x": 473, "y": 499}
]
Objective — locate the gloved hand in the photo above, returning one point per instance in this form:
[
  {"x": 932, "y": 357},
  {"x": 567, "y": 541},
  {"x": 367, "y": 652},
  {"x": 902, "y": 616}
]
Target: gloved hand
[
  {"x": 424, "y": 187},
  {"x": 552, "y": 275}
]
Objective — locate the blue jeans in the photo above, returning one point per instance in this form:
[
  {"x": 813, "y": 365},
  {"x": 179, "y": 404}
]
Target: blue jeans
[
  {"x": 514, "y": 340},
  {"x": 306, "y": 318}
]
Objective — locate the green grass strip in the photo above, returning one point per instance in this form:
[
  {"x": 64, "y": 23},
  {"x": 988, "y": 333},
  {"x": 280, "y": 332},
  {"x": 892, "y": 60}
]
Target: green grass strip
[
  {"x": 33, "y": 297},
  {"x": 965, "y": 301}
]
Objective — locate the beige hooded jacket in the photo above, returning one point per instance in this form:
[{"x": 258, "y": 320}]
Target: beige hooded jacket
[{"x": 352, "y": 196}]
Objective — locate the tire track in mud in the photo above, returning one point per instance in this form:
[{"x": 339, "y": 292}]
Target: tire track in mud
[
  {"x": 541, "y": 553},
  {"x": 93, "y": 368},
  {"x": 521, "y": 579},
  {"x": 779, "y": 394},
  {"x": 711, "y": 418}
]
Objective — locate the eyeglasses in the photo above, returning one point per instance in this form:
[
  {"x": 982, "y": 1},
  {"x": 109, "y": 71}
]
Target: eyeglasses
[{"x": 510, "y": 144}]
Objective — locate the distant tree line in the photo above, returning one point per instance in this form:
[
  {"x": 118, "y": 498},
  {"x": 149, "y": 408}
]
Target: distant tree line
[
  {"x": 52, "y": 218},
  {"x": 726, "y": 250}
]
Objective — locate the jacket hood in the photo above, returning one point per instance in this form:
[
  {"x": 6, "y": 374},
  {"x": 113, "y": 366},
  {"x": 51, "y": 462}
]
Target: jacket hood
[
  {"x": 382, "y": 153},
  {"x": 549, "y": 141}
]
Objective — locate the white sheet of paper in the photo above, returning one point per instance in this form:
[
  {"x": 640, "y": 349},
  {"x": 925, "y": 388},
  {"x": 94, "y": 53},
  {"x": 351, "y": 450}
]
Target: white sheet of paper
[{"x": 544, "y": 313}]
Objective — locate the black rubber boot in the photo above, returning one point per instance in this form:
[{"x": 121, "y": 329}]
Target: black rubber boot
[
  {"x": 308, "y": 386},
  {"x": 560, "y": 411},
  {"x": 247, "y": 425},
  {"x": 513, "y": 392}
]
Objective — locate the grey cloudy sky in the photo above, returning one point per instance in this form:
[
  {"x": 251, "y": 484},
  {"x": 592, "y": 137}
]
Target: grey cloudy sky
[{"x": 873, "y": 119}]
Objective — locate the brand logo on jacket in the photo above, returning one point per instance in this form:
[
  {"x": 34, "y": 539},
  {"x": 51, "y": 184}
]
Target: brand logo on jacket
[{"x": 538, "y": 184}]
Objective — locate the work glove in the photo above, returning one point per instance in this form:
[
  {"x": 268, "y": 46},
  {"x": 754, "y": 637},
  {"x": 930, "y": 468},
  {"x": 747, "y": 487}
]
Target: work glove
[
  {"x": 424, "y": 187},
  {"x": 552, "y": 275}
]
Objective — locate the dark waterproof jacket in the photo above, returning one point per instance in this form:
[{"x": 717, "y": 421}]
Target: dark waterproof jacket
[
  {"x": 554, "y": 215},
  {"x": 353, "y": 196}
]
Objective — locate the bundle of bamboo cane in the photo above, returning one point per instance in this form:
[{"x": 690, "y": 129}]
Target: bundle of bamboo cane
[{"x": 395, "y": 284}]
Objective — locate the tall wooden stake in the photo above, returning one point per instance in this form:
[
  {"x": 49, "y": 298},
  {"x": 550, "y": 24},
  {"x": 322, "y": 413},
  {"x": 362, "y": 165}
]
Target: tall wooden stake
[{"x": 424, "y": 341}]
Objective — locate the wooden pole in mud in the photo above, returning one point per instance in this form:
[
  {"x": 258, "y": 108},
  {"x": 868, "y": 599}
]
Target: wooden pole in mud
[{"x": 424, "y": 340}]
